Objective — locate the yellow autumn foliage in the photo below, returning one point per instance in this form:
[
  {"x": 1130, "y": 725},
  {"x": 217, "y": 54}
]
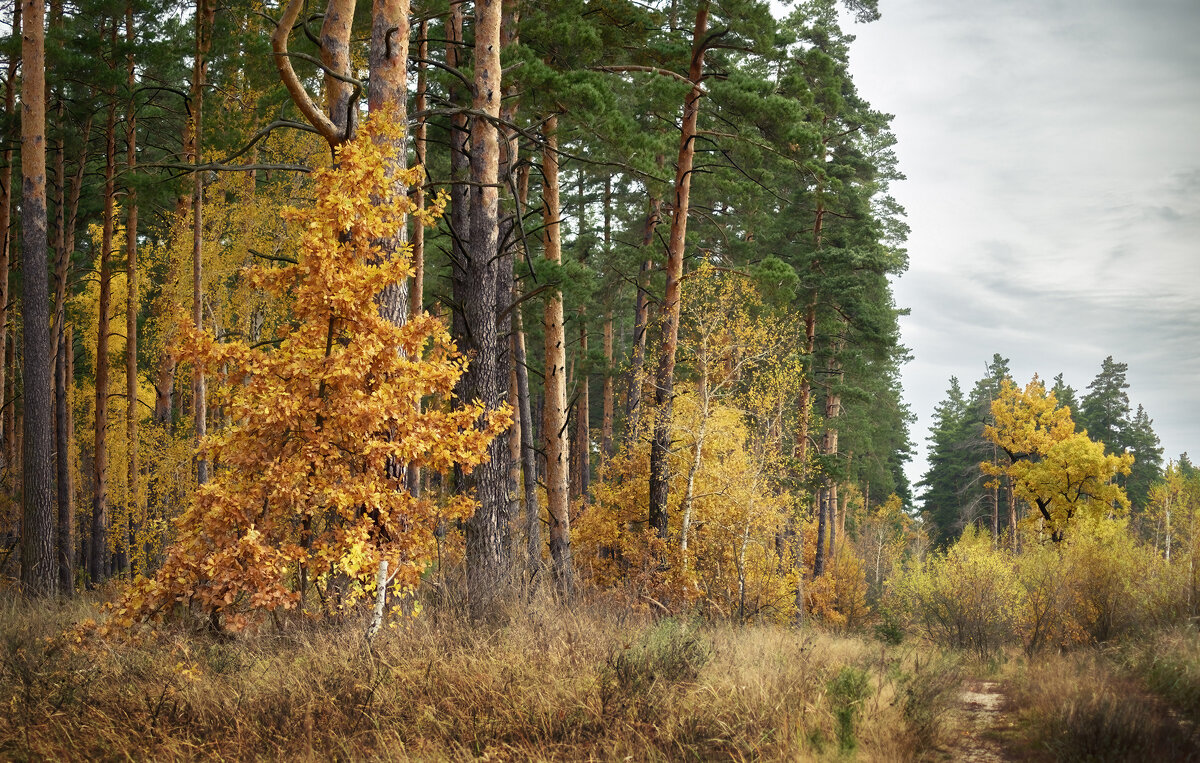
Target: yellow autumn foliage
[
  {"x": 304, "y": 494},
  {"x": 1061, "y": 473}
]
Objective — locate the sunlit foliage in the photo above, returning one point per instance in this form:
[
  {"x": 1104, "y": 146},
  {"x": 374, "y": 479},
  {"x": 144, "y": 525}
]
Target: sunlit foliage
[{"x": 306, "y": 491}]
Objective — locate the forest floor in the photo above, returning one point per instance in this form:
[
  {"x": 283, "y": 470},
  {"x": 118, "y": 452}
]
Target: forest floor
[{"x": 594, "y": 682}]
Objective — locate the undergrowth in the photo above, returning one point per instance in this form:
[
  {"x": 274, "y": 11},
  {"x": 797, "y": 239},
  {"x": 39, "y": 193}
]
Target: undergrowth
[{"x": 547, "y": 683}]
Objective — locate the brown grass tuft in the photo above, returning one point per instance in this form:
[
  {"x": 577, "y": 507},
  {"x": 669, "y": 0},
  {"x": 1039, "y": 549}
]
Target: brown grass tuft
[{"x": 548, "y": 683}]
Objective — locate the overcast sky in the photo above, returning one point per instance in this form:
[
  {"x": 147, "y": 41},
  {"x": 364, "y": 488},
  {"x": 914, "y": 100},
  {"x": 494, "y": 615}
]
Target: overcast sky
[{"x": 1052, "y": 150}]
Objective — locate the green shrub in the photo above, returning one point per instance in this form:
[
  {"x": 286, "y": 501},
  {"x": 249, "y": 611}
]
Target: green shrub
[
  {"x": 847, "y": 691},
  {"x": 967, "y": 598},
  {"x": 669, "y": 653}
]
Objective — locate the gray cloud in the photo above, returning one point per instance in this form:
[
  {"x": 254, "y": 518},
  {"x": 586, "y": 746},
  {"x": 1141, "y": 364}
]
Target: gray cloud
[{"x": 1053, "y": 192}]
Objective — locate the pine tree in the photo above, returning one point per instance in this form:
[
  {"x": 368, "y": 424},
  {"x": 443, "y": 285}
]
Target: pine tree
[
  {"x": 1065, "y": 395},
  {"x": 1147, "y": 454},
  {"x": 1104, "y": 411},
  {"x": 943, "y": 481},
  {"x": 37, "y": 539}
]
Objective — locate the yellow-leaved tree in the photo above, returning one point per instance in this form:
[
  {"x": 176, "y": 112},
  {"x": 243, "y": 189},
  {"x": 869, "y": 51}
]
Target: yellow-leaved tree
[
  {"x": 302, "y": 497},
  {"x": 1060, "y": 472}
]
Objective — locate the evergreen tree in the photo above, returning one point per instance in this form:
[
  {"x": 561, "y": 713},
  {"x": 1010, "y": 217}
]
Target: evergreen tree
[
  {"x": 1104, "y": 412},
  {"x": 943, "y": 483},
  {"x": 1065, "y": 395},
  {"x": 1147, "y": 460}
]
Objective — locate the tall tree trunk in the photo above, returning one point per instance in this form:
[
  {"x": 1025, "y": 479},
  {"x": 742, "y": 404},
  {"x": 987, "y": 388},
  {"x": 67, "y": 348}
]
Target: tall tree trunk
[
  {"x": 510, "y": 242},
  {"x": 533, "y": 517},
  {"x": 804, "y": 402},
  {"x": 99, "y": 566},
  {"x": 1012, "y": 515},
  {"x": 606, "y": 395},
  {"x": 476, "y": 283},
  {"x": 533, "y": 520},
  {"x": 417, "y": 295},
  {"x": 607, "y": 400},
  {"x": 336, "y": 28},
  {"x": 581, "y": 469},
  {"x": 37, "y": 537},
  {"x": 554, "y": 412},
  {"x": 697, "y": 456},
  {"x": 388, "y": 62},
  {"x": 10, "y": 83},
  {"x": 641, "y": 320},
  {"x": 66, "y": 496},
  {"x": 131, "y": 301},
  {"x": 11, "y": 427},
  {"x": 829, "y": 449},
  {"x": 65, "y": 218},
  {"x": 995, "y": 502},
  {"x": 660, "y": 477},
  {"x": 205, "y": 10}
]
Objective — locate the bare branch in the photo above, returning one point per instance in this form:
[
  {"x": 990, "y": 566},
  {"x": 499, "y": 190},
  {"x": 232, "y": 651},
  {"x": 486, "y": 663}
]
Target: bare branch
[{"x": 300, "y": 96}]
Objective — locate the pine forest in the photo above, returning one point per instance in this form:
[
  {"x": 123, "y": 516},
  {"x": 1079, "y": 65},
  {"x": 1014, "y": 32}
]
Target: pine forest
[{"x": 514, "y": 379}]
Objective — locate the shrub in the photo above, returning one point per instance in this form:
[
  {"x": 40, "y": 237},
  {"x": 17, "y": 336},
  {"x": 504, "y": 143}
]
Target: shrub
[
  {"x": 847, "y": 690},
  {"x": 669, "y": 653},
  {"x": 967, "y": 598}
]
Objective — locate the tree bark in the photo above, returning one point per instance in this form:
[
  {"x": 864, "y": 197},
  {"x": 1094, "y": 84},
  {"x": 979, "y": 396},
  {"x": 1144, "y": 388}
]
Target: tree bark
[
  {"x": 99, "y": 566},
  {"x": 581, "y": 468},
  {"x": 37, "y": 537},
  {"x": 660, "y": 478},
  {"x": 554, "y": 412},
  {"x": 66, "y": 497},
  {"x": 388, "y": 62},
  {"x": 131, "y": 303},
  {"x": 641, "y": 319},
  {"x": 340, "y": 103},
  {"x": 417, "y": 296},
  {"x": 606, "y": 395},
  {"x": 697, "y": 456},
  {"x": 10, "y": 82},
  {"x": 205, "y": 11},
  {"x": 476, "y": 282},
  {"x": 533, "y": 519}
]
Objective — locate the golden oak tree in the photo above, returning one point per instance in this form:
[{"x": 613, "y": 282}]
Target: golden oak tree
[
  {"x": 300, "y": 497},
  {"x": 1060, "y": 472}
]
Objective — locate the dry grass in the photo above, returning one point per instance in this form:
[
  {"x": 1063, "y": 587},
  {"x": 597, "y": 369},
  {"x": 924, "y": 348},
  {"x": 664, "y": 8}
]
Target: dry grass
[
  {"x": 1081, "y": 706},
  {"x": 550, "y": 684}
]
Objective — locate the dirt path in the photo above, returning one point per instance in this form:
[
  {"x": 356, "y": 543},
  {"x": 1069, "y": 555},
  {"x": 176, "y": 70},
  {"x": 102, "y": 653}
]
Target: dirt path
[{"x": 978, "y": 722}]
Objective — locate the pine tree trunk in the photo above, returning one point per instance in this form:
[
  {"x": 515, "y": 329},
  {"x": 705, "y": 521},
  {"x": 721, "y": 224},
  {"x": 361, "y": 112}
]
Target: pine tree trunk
[
  {"x": 417, "y": 295},
  {"x": 66, "y": 497},
  {"x": 340, "y": 101},
  {"x": 38, "y": 493},
  {"x": 388, "y": 63},
  {"x": 476, "y": 283},
  {"x": 100, "y": 565},
  {"x": 606, "y": 425},
  {"x": 6, "y": 200},
  {"x": 11, "y": 428},
  {"x": 554, "y": 412},
  {"x": 637, "y": 364},
  {"x": 607, "y": 400},
  {"x": 507, "y": 163},
  {"x": 131, "y": 304},
  {"x": 822, "y": 525},
  {"x": 581, "y": 460},
  {"x": 660, "y": 478},
  {"x": 533, "y": 520},
  {"x": 204, "y": 20}
]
